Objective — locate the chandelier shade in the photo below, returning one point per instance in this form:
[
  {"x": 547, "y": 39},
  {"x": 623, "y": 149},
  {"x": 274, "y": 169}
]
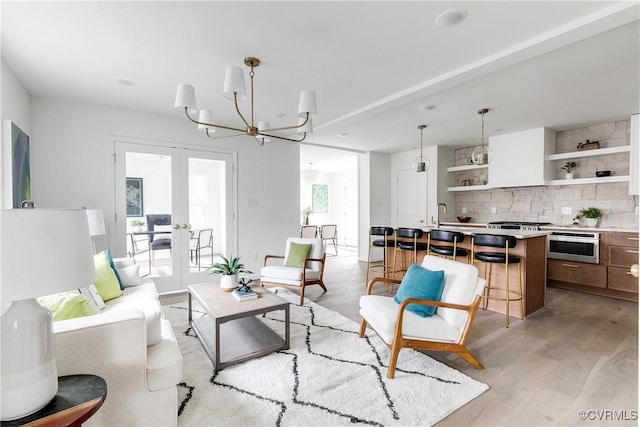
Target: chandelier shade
[
  {"x": 262, "y": 125},
  {"x": 206, "y": 116},
  {"x": 234, "y": 83},
  {"x": 307, "y": 104},
  {"x": 235, "y": 90},
  {"x": 186, "y": 98}
]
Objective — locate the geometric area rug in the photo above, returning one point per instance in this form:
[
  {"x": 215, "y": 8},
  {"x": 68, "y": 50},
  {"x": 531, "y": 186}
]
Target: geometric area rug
[{"x": 328, "y": 377}]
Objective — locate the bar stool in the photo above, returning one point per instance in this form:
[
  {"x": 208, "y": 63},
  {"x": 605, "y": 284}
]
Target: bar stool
[
  {"x": 489, "y": 258},
  {"x": 454, "y": 237},
  {"x": 384, "y": 243},
  {"x": 408, "y": 245}
]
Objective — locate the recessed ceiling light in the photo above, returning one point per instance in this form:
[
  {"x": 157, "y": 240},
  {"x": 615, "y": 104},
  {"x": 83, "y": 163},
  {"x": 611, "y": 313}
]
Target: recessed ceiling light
[
  {"x": 451, "y": 18},
  {"x": 281, "y": 115},
  {"x": 343, "y": 135},
  {"x": 426, "y": 107},
  {"x": 497, "y": 130},
  {"x": 124, "y": 82}
]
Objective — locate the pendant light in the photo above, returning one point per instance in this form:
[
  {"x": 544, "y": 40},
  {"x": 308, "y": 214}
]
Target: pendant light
[
  {"x": 482, "y": 154},
  {"x": 421, "y": 164}
]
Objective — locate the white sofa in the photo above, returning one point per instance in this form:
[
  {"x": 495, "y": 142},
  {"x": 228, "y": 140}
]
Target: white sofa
[{"x": 131, "y": 346}]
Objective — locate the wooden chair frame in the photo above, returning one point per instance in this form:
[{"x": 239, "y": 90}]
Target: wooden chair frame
[
  {"x": 400, "y": 342},
  {"x": 304, "y": 280}
]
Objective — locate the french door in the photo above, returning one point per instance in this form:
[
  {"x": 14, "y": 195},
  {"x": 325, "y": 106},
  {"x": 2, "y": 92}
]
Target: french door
[{"x": 174, "y": 211}]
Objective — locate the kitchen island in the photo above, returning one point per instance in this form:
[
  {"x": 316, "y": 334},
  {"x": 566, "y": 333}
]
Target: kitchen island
[{"x": 531, "y": 247}]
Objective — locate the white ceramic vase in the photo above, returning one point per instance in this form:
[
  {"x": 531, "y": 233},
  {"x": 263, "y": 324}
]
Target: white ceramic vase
[
  {"x": 591, "y": 222},
  {"x": 229, "y": 282},
  {"x": 568, "y": 176}
]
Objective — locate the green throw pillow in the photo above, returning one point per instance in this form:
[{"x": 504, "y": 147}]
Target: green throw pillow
[
  {"x": 419, "y": 282},
  {"x": 298, "y": 252},
  {"x": 106, "y": 280},
  {"x": 68, "y": 305}
]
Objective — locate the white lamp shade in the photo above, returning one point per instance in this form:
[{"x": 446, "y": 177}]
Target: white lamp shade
[
  {"x": 43, "y": 252},
  {"x": 206, "y": 116},
  {"x": 307, "y": 128},
  {"x": 234, "y": 82},
  {"x": 96, "y": 222},
  {"x": 185, "y": 97},
  {"x": 307, "y": 103},
  {"x": 263, "y": 125}
]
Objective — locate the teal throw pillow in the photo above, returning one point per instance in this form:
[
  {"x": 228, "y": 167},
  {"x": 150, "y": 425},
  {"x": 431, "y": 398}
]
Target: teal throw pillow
[
  {"x": 298, "y": 252},
  {"x": 419, "y": 282},
  {"x": 68, "y": 305},
  {"x": 113, "y": 266}
]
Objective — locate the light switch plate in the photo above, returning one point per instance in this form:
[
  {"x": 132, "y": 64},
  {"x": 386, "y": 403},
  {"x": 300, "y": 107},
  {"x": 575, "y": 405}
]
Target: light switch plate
[
  {"x": 464, "y": 210},
  {"x": 494, "y": 209},
  {"x": 566, "y": 210}
]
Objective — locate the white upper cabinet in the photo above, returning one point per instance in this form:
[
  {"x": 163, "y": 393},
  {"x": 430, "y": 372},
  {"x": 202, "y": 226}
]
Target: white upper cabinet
[
  {"x": 519, "y": 159},
  {"x": 635, "y": 154}
]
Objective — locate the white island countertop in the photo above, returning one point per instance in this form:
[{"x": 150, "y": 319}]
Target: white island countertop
[{"x": 518, "y": 234}]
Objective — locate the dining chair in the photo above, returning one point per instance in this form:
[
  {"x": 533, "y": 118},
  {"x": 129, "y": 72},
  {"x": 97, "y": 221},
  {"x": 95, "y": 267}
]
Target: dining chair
[{"x": 200, "y": 239}]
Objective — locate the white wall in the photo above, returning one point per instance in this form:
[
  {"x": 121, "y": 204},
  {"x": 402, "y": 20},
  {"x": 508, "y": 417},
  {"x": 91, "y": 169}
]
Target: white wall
[
  {"x": 72, "y": 166},
  {"x": 375, "y": 196}
]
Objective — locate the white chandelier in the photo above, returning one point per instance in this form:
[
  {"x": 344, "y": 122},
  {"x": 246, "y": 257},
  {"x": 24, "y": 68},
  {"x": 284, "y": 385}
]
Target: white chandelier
[{"x": 235, "y": 89}]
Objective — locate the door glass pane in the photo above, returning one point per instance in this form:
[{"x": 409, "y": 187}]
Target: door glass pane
[
  {"x": 207, "y": 207},
  {"x": 149, "y": 220}
]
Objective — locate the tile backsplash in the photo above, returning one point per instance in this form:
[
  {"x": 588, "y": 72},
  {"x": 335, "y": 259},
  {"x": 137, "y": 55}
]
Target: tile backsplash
[{"x": 546, "y": 203}]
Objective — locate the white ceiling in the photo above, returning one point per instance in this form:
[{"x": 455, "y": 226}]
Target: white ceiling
[{"x": 560, "y": 64}]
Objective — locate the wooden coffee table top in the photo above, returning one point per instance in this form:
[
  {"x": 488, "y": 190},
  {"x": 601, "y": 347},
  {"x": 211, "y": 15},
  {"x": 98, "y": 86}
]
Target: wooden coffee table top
[{"x": 222, "y": 304}]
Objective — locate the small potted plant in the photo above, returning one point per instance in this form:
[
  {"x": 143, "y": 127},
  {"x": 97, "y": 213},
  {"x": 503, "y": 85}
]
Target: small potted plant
[
  {"x": 569, "y": 167},
  {"x": 591, "y": 216},
  {"x": 137, "y": 225},
  {"x": 305, "y": 213},
  {"x": 229, "y": 269}
]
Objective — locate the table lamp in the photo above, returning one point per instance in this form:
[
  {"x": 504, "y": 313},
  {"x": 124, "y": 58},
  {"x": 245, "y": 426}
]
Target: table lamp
[{"x": 42, "y": 252}]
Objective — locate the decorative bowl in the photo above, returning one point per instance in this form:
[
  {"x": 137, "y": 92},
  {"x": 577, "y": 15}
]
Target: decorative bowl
[
  {"x": 464, "y": 218},
  {"x": 600, "y": 174}
]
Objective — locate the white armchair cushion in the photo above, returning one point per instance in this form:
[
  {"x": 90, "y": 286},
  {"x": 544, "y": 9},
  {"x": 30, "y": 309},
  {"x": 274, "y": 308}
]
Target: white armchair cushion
[
  {"x": 317, "y": 250},
  {"x": 164, "y": 360},
  {"x": 381, "y": 313},
  {"x": 460, "y": 287},
  {"x": 286, "y": 275},
  {"x": 149, "y": 306}
]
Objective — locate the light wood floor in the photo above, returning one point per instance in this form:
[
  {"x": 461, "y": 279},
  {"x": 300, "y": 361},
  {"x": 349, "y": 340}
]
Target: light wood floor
[{"x": 580, "y": 354}]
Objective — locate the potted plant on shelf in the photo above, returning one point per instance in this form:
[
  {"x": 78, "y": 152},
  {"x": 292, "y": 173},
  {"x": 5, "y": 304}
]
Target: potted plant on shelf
[
  {"x": 591, "y": 216},
  {"x": 137, "y": 225},
  {"x": 569, "y": 167},
  {"x": 229, "y": 269}
]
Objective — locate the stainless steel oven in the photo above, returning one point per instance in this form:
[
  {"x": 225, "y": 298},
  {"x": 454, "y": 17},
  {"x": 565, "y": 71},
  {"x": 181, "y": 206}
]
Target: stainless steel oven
[{"x": 574, "y": 246}]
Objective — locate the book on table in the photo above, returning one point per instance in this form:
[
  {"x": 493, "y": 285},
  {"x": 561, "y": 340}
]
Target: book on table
[{"x": 244, "y": 295}]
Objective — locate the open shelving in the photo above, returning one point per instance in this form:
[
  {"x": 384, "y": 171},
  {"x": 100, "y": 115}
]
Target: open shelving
[{"x": 589, "y": 153}]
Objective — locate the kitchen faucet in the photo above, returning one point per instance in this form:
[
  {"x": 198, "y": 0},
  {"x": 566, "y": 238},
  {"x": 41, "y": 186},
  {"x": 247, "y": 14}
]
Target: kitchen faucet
[{"x": 437, "y": 220}]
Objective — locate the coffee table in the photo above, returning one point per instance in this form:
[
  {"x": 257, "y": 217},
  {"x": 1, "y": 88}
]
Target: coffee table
[{"x": 233, "y": 332}]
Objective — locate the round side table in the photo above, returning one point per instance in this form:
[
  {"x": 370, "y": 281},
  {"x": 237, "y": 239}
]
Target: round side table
[{"x": 78, "y": 398}]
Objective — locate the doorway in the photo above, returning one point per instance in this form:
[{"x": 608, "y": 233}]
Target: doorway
[
  {"x": 174, "y": 211},
  {"x": 335, "y": 171}
]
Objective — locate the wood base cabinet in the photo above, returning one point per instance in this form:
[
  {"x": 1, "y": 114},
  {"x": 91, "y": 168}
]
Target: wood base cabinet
[{"x": 612, "y": 277}]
